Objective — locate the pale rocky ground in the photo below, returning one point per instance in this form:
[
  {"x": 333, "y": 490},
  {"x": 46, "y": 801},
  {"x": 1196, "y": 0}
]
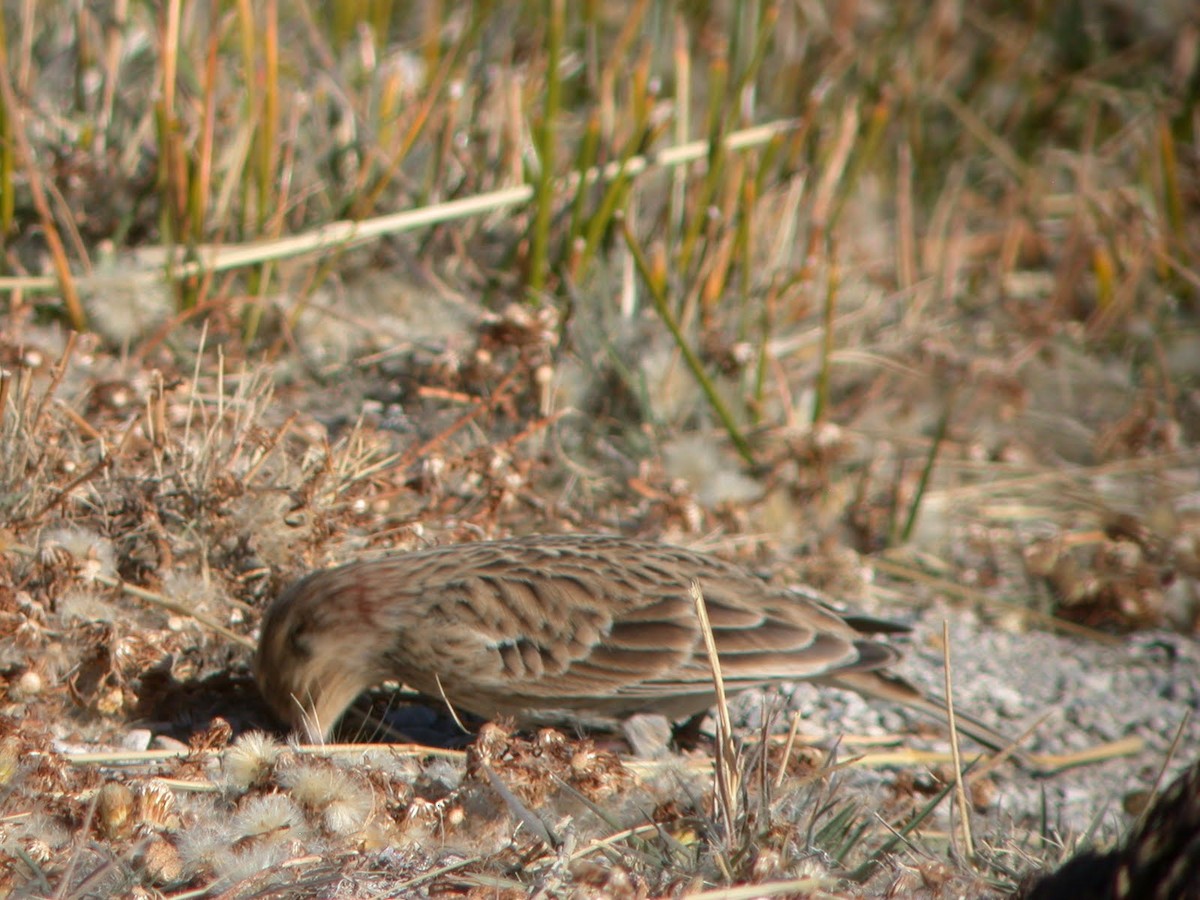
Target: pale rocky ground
[{"x": 1087, "y": 693}]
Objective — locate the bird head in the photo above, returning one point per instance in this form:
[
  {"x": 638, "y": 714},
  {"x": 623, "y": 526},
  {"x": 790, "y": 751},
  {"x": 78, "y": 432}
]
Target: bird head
[{"x": 316, "y": 653}]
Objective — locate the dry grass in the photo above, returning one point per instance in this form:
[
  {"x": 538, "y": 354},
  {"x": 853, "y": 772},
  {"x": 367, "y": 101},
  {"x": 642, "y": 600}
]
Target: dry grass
[{"x": 285, "y": 284}]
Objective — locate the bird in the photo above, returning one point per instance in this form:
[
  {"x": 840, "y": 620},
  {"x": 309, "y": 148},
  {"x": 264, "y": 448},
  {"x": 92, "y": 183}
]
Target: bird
[
  {"x": 550, "y": 628},
  {"x": 1158, "y": 860}
]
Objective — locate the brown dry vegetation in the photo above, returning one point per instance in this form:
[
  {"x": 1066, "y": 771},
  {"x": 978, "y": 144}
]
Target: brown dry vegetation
[{"x": 935, "y": 328}]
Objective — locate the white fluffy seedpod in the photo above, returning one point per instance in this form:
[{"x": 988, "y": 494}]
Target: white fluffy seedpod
[
  {"x": 314, "y": 785},
  {"x": 238, "y": 866},
  {"x": 267, "y": 816},
  {"x": 344, "y": 804},
  {"x": 206, "y": 847},
  {"x": 191, "y": 590},
  {"x": 348, "y": 813},
  {"x": 29, "y": 685},
  {"x": 92, "y": 552},
  {"x": 249, "y": 760}
]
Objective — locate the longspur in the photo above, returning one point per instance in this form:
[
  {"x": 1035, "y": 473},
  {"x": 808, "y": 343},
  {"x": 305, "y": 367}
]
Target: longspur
[{"x": 546, "y": 628}]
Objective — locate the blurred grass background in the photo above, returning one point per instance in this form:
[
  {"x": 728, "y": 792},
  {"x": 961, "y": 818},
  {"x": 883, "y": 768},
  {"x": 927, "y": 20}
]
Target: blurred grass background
[{"x": 959, "y": 237}]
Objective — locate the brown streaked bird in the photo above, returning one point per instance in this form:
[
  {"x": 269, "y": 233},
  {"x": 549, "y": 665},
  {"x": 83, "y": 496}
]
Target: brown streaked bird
[
  {"x": 548, "y": 628},
  {"x": 1159, "y": 859}
]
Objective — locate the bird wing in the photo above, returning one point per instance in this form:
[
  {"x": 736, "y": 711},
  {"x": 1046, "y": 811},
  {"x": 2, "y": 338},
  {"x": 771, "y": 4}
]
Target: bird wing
[{"x": 587, "y": 622}]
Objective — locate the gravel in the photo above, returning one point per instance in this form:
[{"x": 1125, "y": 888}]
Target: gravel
[{"x": 1084, "y": 694}]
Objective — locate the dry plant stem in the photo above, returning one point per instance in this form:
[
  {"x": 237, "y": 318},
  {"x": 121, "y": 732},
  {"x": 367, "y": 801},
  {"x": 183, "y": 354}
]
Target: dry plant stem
[
  {"x": 822, "y": 213},
  {"x": 63, "y": 493},
  {"x": 1067, "y": 477},
  {"x": 73, "y": 861},
  {"x": 431, "y": 98},
  {"x": 8, "y": 160},
  {"x": 787, "y": 749},
  {"x": 534, "y": 428},
  {"x": 195, "y": 894},
  {"x": 268, "y": 447},
  {"x": 810, "y": 888},
  {"x": 39, "y": 874},
  {"x": 55, "y": 380},
  {"x": 606, "y": 842},
  {"x": 1173, "y": 196},
  {"x": 450, "y": 706},
  {"x": 1058, "y": 762},
  {"x": 744, "y": 247},
  {"x": 1162, "y": 771},
  {"x": 960, "y": 790},
  {"x": 64, "y": 279},
  {"x": 601, "y": 219},
  {"x": 324, "y": 751},
  {"x": 404, "y": 887},
  {"x": 726, "y": 772},
  {"x": 173, "y": 176},
  {"x": 201, "y": 185},
  {"x": 993, "y": 762},
  {"x": 76, "y": 419},
  {"x": 66, "y": 220},
  {"x": 170, "y": 605},
  {"x": 5, "y": 389},
  {"x": 764, "y": 29},
  {"x": 194, "y": 393},
  {"x": 906, "y": 240},
  {"x": 683, "y": 105},
  {"x": 114, "y": 29},
  {"x": 267, "y": 133},
  {"x": 718, "y": 78},
  {"x": 343, "y": 235},
  {"x": 866, "y": 150},
  {"x": 546, "y": 138},
  {"x": 520, "y": 811},
  {"x": 1043, "y": 763},
  {"x": 998, "y": 147},
  {"x": 85, "y": 886}
]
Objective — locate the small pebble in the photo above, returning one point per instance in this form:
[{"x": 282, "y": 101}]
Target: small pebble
[{"x": 136, "y": 739}]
